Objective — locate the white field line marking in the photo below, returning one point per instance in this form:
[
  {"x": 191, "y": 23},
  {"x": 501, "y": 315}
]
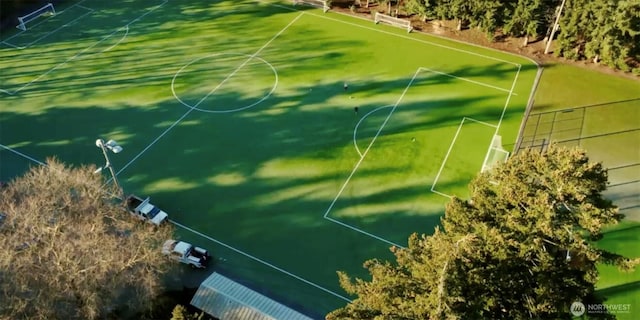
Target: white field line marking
[
  {"x": 7, "y": 92},
  {"x": 482, "y": 122},
  {"x": 472, "y": 81},
  {"x": 486, "y": 156},
  {"x": 346, "y": 225},
  {"x": 444, "y": 161},
  {"x": 12, "y": 45},
  {"x": 430, "y": 43},
  {"x": 393, "y": 108},
  {"x": 46, "y": 34},
  {"x": 58, "y": 28},
  {"x": 325, "y": 16},
  {"x": 84, "y": 50},
  {"x": 506, "y": 104},
  {"x": 146, "y": 13},
  {"x": 442, "y": 193},
  {"x": 355, "y": 130},
  {"x": 45, "y": 20},
  {"x": 126, "y": 32},
  {"x": 83, "y": 7},
  {"x": 273, "y": 89},
  {"x": 31, "y": 158},
  {"x": 22, "y": 154},
  {"x": 261, "y": 261},
  {"x": 504, "y": 110},
  {"x": 194, "y": 107}
]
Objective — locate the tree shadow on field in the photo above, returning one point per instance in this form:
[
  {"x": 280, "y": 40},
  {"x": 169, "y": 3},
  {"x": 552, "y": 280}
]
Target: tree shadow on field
[
  {"x": 619, "y": 289},
  {"x": 261, "y": 179}
]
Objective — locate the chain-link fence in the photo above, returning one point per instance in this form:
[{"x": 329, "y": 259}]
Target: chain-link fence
[{"x": 610, "y": 132}]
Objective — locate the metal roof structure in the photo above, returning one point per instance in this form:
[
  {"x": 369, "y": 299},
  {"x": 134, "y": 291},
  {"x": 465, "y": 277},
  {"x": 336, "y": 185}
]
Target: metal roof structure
[{"x": 226, "y": 299}]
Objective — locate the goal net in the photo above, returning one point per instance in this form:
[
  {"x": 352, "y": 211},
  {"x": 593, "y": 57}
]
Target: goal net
[
  {"x": 323, "y": 4},
  {"x": 496, "y": 154},
  {"x": 46, "y": 10},
  {"x": 397, "y": 22}
]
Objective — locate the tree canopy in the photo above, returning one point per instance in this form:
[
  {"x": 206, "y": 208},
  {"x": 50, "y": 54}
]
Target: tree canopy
[
  {"x": 522, "y": 246},
  {"x": 70, "y": 251},
  {"x": 606, "y": 31}
]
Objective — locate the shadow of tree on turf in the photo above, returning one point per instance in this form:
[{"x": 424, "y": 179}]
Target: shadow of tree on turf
[{"x": 259, "y": 180}]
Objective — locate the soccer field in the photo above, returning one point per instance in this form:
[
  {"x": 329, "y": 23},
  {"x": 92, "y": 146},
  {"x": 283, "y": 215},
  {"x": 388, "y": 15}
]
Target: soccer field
[{"x": 290, "y": 142}]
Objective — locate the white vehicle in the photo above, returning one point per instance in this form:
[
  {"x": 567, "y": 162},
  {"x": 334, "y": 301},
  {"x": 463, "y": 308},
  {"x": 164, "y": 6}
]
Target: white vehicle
[
  {"x": 186, "y": 253},
  {"x": 144, "y": 210}
]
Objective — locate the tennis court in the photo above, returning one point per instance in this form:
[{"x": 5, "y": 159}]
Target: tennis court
[
  {"x": 236, "y": 120},
  {"x": 609, "y": 132}
]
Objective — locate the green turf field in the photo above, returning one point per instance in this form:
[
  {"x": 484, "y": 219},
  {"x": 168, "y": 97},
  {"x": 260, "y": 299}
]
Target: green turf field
[{"x": 235, "y": 119}]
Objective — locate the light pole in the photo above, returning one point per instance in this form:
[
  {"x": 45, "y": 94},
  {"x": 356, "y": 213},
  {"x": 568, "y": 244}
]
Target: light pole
[
  {"x": 555, "y": 28},
  {"x": 115, "y": 148}
]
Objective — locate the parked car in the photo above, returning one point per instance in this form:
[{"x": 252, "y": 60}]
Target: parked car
[
  {"x": 144, "y": 210},
  {"x": 186, "y": 253}
]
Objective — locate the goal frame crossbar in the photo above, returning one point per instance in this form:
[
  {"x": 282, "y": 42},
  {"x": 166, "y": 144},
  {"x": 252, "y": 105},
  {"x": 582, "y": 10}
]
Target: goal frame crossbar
[
  {"x": 396, "y": 22},
  {"x": 323, "y": 4},
  {"x": 35, "y": 14}
]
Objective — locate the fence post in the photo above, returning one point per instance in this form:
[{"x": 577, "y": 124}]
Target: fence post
[{"x": 527, "y": 111}]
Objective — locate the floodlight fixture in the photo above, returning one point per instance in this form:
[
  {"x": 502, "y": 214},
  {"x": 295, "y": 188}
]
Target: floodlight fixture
[{"x": 115, "y": 148}]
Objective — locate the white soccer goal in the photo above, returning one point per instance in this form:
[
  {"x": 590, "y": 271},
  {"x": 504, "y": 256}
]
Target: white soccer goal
[
  {"x": 381, "y": 17},
  {"x": 324, "y": 4},
  {"x": 496, "y": 154},
  {"x": 47, "y": 9}
]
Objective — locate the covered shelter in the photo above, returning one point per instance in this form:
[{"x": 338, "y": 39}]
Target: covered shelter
[{"x": 226, "y": 299}]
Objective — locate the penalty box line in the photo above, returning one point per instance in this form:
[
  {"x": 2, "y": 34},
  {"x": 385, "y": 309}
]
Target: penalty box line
[
  {"x": 362, "y": 157},
  {"x": 195, "y": 106},
  {"x": 83, "y": 51},
  {"x": 268, "y": 264},
  {"x": 446, "y": 157},
  {"x": 509, "y": 91},
  {"x": 497, "y": 127}
]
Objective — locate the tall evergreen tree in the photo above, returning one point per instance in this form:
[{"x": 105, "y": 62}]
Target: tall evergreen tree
[
  {"x": 574, "y": 24},
  {"x": 462, "y": 11},
  {"x": 615, "y": 26},
  {"x": 425, "y": 9},
  {"x": 524, "y": 19},
  {"x": 521, "y": 247},
  {"x": 485, "y": 15}
]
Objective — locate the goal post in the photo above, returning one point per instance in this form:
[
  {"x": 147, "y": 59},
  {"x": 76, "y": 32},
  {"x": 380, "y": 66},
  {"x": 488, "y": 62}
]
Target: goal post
[
  {"x": 397, "y": 22},
  {"x": 325, "y": 5},
  {"x": 47, "y": 9},
  {"x": 496, "y": 154}
]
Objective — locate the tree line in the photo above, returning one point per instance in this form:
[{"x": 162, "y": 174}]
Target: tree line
[{"x": 604, "y": 31}]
